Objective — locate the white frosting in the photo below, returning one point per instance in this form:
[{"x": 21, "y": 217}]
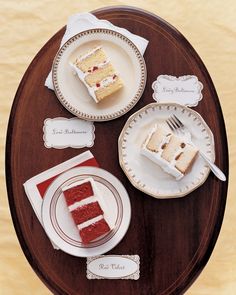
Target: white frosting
[
  {"x": 150, "y": 135},
  {"x": 89, "y": 222},
  {"x": 82, "y": 76},
  {"x": 165, "y": 165},
  {"x": 156, "y": 157},
  {"x": 107, "y": 213}
]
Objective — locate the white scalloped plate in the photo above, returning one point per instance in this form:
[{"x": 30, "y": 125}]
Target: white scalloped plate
[
  {"x": 126, "y": 59},
  {"x": 148, "y": 176}
]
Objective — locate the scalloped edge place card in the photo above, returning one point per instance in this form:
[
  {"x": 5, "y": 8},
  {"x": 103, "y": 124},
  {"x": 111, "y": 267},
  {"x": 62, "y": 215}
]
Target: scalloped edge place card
[
  {"x": 185, "y": 90},
  {"x": 113, "y": 267},
  {"x": 61, "y": 133}
]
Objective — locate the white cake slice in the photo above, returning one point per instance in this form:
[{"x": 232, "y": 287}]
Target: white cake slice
[
  {"x": 97, "y": 73},
  {"x": 171, "y": 152}
]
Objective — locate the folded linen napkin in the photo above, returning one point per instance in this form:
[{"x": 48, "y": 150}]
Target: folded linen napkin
[
  {"x": 36, "y": 186},
  {"x": 84, "y": 21}
]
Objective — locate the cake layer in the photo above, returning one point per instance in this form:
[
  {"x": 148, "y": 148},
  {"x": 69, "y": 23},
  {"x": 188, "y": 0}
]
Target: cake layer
[
  {"x": 111, "y": 88},
  {"x": 94, "y": 231},
  {"x": 86, "y": 212},
  {"x": 92, "y": 58},
  {"x": 185, "y": 160},
  {"x": 78, "y": 193},
  {"x": 99, "y": 73}
]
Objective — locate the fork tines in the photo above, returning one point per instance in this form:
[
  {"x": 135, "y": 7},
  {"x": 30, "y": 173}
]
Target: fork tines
[{"x": 174, "y": 123}]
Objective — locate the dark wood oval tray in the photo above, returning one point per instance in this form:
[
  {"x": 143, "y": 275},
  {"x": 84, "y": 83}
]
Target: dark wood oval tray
[{"x": 174, "y": 238}]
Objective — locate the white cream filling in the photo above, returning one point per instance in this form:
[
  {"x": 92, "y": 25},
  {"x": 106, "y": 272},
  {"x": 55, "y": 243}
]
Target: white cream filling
[
  {"x": 99, "y": 66},
  {"x": 104, "y": 83},
  {"x": 164, "y": 141},
  {"x": 82, "y": 203},
  {"x": 89, "y": 222},
  {"x": 178, "y": 152},
  {"x": 82, "y": 74}
]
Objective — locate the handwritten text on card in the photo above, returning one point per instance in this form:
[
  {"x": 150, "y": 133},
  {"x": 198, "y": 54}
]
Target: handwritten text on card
[
  {"x": 185, "y": 90},
  {"x": 62, "y": 132},
  {"x": 113, "y": 267}
]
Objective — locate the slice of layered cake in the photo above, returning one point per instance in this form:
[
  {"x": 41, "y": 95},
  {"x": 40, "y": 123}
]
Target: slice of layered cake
[
  {"x": 86, "y": 209},
  {"x": 97, "y": 73},
  {"x": 171, "y": 152}
]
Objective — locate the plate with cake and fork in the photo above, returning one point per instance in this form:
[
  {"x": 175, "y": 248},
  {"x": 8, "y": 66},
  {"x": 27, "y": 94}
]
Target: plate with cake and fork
[{"x": 160, "y": 162}]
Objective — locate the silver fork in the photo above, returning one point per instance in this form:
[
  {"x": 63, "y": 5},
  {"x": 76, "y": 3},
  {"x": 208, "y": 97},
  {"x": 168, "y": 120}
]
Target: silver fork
[{"x": 176, "y": 125}]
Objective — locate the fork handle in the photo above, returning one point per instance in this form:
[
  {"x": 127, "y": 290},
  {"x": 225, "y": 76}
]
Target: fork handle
[{"x": 218, "y": 173}]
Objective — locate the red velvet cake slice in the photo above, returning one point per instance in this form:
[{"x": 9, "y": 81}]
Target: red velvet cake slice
[{"x": 87, "y": 213}]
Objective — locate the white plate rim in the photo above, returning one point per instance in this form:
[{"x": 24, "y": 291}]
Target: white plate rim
[
  {"x": 129, "y": 176},
  {"x": 124, "y": 197},
  {"x": 90, "y": 117}
]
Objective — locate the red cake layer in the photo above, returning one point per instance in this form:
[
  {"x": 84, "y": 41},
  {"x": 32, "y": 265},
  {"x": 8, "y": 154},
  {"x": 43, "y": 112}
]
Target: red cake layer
[
  {"x": 94, "y": 231},
  {"x": 78, "y": 193},
  {"x": 86, "y": 212}
]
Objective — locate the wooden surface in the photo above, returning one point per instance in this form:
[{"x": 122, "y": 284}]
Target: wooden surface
[
  {"x": 204, "y": 32},
  {"x": 174, "y": 238}
]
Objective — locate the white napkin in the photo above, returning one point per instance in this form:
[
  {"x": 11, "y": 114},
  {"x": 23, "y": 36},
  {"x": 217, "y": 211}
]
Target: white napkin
[{"x": 85, "y": 21}]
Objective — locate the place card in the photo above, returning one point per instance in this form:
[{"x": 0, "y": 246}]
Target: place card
[
  {"x": 113, "y": 267},
  {"x": 185, "y": 90},
  {"x": 61, "y": 133}
]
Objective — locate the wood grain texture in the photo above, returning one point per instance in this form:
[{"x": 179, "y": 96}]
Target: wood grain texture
[{"x": 173, "y": 250}]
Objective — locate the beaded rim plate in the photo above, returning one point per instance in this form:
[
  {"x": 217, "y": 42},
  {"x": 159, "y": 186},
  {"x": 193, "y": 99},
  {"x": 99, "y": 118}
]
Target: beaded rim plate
[
  {"x": 127, "y": 60},
  {"x": 59, "y": 225},
  {"x": 147, "y": 176}
]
